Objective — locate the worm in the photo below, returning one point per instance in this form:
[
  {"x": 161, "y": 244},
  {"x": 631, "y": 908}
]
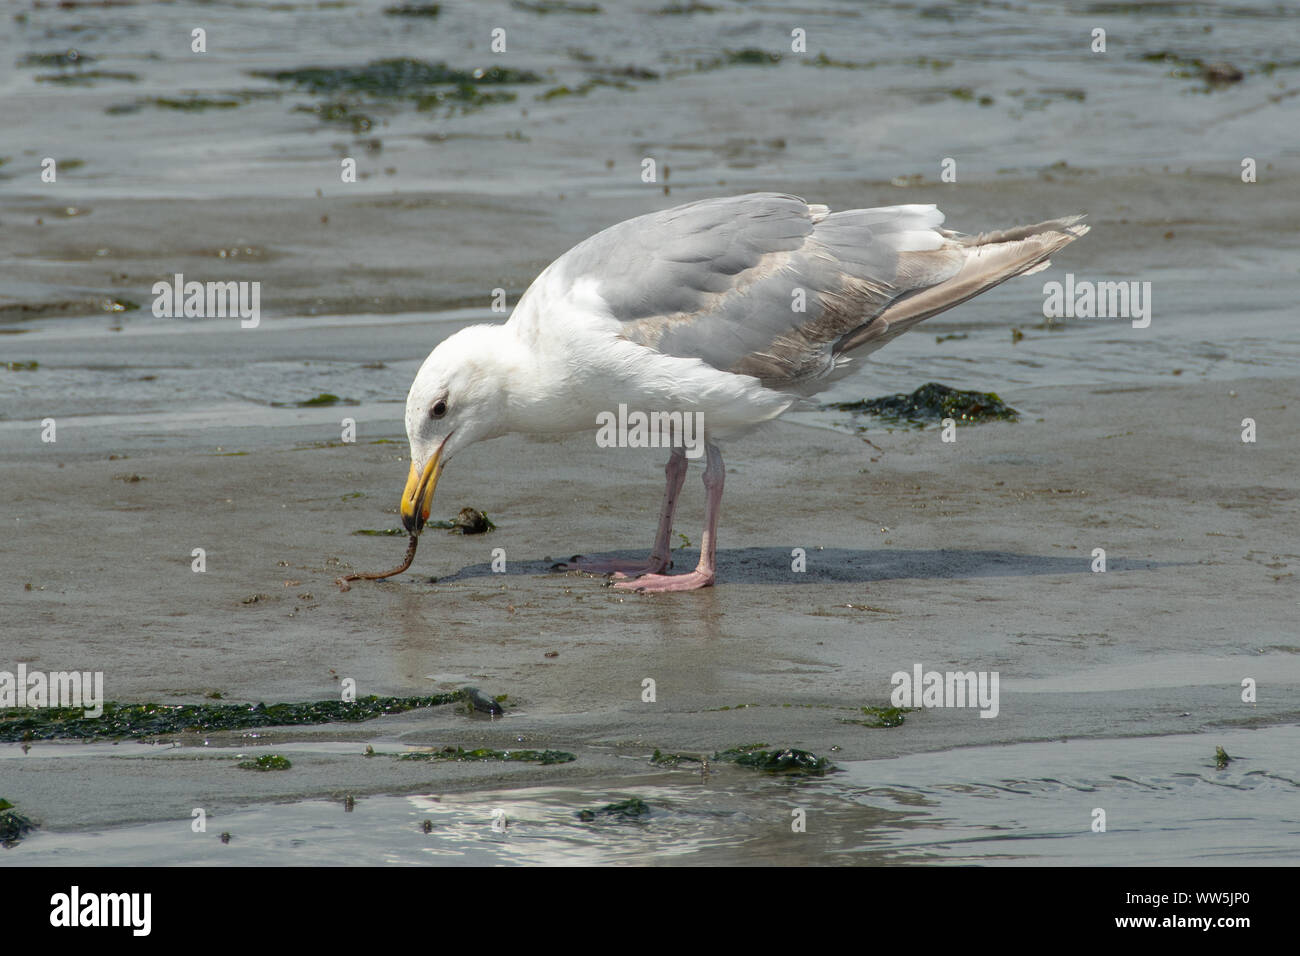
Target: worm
[{"x": 406, "y": 563}]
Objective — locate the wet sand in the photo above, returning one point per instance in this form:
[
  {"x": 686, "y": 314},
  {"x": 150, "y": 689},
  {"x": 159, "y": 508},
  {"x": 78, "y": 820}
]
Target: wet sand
[{"x": 973, "y": 555}]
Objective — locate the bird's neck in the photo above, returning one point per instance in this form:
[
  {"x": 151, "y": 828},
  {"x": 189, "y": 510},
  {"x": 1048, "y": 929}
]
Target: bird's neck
[
  {"x": 533, "y": 386},
  {"x": 549, "y": 387}
]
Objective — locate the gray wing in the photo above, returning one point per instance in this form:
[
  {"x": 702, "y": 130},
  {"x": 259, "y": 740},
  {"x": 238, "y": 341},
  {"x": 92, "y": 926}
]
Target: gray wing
[{"x": 770, "y": 286}]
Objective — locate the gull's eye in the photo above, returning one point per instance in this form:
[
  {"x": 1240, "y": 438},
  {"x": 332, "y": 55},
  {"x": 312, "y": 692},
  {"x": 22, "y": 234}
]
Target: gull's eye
[{"x": 438, "y": 410}]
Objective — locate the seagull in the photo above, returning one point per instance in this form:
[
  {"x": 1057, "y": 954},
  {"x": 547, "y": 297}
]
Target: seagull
[{"x": 734, "y": 309}]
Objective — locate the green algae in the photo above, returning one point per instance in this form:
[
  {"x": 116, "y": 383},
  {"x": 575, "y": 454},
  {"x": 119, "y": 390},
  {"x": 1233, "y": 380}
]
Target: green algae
[
  {"x": 788, "y": 761},
  {"x": 428, "y": 85},
  {"x": 1221, "y": 758},
  {"x": 557, "y": 92},
  {"x": 1183, "y": 67},
  {"x": 661, "y": 759},
  {"x": 386, "y": 532},
  {"x": 462, "y": 98},
  {"x": 266, "y": 762},
  {"x": 321, "y": 400},
  {"x": 152, "y": 720},
  {"x": 324, "y": 398},
  {"x": 932, "y": 403},
  {"x": 822, "y": 60},
  {"x": 751, "y": 56},
  {"x": 393, "y": 77},
  {"x": 62, "y": 59},
  {"x": 555, "y": 6},
  {"x": 191, "y": 104},
  {"x": 757, "y": 757},
  {"x": 20, "y": 366},
  {"x": 413, "y": 10},
  {"x": 13, "y": 825},
  {"x": 1186, "y": 67},
  {"x": 86, "y": 77},
  {"x": 543, "y": 757},
  {"x": 632, "y": 810},
  {"x": 880, "y": 717},
  {"x": 340, "y": 113}
]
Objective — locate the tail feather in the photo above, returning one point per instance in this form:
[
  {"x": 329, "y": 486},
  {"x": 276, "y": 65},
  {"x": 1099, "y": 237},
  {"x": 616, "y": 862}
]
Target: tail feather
[{"x": 990, "y": 259}]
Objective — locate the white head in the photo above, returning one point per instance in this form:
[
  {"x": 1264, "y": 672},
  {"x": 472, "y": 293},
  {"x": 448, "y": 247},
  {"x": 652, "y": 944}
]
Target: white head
[{"x": 459, "y": 397}]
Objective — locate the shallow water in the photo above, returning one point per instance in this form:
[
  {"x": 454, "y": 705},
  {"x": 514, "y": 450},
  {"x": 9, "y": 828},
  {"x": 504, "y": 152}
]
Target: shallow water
[{"x": 1164, "y": 800}]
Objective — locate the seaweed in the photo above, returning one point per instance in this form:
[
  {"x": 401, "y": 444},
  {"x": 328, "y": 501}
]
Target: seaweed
[
  {"x": 1188, "y": 67},
  {"x": 661, "y": 759},
  {"x": 463, "y": 97},
  {"x": 932, "y": 403},
  {"x": 468, "y": 521},
  {"x": 821, "y": 59},
  {"x": 880, "y": 717},
  {"x": 789, "y": 760},
  {"x": 554, "y": 6},
  {"x": 752, "y": 56},
  {"x": 152, "y": 720},
  {"x": 339, "y": 112},
  {"x": 749, "y": 56},
  {"x": 556, "y": 92},
  {"x": 413, "y": 10},
  {"x": 266, "y": 762},
  {"x": 13, "y": 825},
  {"x": 631, "y": 810},
  {"x": 62, "y": 59},
  {"x": 323, "y": 399},
  {"x": 191, "y": 103},
  {"x": 544, "y": 757},
  {"x": 393, "y": 77},
  {"x": 86, "y": 77}
]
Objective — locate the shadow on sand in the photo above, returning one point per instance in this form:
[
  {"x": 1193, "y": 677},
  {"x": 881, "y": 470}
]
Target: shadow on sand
[{"x": 773, "y": 565}]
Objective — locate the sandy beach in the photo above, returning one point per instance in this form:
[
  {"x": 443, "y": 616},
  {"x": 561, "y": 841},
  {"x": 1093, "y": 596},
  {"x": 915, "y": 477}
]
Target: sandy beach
[{"x": 1116, "y": 687}]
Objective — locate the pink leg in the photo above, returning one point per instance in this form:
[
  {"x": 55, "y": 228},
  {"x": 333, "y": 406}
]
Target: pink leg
[
  {"x": 703, "y": 575},
  {"x": 661, "y": 556}
]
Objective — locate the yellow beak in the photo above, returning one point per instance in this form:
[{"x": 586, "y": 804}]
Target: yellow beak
[{"x": 417, "y": 497}]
